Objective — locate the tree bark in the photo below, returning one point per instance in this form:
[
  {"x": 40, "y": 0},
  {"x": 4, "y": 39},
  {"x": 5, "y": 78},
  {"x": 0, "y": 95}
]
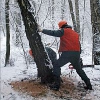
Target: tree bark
[
  {"x": 18, "y": 27},
  {"x": 77, "y": 15},
  {"x": 53, "y": 13},
  {"x": 7, "y": 33},
  {"x": 95, "y": 19},
  {"x": 72, "y": 14},
  {"x": 41, "y": 58},
  {"x": 62, "y": 9}
]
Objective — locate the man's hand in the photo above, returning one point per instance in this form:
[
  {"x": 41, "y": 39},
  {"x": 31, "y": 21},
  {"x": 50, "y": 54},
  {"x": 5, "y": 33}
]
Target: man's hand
[{"x": 39, "y": 29}]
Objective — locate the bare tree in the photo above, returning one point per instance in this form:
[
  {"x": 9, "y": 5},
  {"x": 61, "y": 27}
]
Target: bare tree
[
  {"x": 52, "y": 13},
  {"x": 16, "y": 23},
  {"x": 62, "y": 9},
  {"x": 77, "y": 15},
  {"x": 72, "y": 15},
  {"x": 95, "y": 19},
  {"x": 0, "y": 18},
  {"x": 7, "y": 32},
  {"x": 40, "y": 56},
  {"x": 18, "y": 28}
]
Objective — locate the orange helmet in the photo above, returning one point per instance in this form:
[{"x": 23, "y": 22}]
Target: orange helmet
[{"x": 61, "y": 23}]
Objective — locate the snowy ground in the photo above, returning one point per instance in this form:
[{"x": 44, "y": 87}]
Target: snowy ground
[
  {"x": 9, "y": 74},
  {"x": 17, "y": 70}
]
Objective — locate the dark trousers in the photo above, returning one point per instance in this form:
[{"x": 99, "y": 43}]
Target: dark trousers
[{"x": 72, "y": 57}]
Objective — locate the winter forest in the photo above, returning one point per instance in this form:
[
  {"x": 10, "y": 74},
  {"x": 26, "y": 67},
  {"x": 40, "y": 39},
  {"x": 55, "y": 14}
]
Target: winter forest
[{"x": 19, "y": 20}]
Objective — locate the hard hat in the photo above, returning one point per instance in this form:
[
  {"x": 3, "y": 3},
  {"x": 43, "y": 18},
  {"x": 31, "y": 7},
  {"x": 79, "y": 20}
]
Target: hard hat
[{"x": 61, "y": 23}]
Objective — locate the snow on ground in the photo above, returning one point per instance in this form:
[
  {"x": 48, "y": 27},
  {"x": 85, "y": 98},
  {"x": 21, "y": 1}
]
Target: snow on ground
[
  {"x": 18, "y": 70},
  {"x": 9, "y": 74}
]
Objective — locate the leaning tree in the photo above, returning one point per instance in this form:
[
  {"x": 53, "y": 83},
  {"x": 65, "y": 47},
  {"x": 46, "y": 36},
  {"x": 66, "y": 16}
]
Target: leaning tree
[{"x": 43, "y": 62}]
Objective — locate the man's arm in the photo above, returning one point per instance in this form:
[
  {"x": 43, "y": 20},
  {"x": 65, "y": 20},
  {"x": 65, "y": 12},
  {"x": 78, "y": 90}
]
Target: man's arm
[{"x": 56, "y": 33}]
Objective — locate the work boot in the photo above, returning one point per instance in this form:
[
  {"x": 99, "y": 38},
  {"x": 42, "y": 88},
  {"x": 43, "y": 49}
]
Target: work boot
[
  {"x": 56, "y": 85},
  {"x": 88, "y": 85}
]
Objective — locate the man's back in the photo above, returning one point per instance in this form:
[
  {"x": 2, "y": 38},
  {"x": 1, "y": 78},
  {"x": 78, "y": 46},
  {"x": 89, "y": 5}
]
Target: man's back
[{"x": 69, "y": 41}]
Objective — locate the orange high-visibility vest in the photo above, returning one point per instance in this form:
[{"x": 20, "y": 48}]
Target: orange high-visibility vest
[{"x": 69, "y": 41}]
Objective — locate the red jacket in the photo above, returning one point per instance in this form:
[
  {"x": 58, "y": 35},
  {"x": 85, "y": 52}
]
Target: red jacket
[{"x": 69, "y": 41}]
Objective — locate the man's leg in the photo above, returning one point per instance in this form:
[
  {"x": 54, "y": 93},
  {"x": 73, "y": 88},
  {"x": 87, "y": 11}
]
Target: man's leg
[
  {"x": 81, "y": 73},
  {"x": 57, "y": 72}
]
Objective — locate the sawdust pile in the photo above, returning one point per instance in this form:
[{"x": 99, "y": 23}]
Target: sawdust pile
[
  {"x": 30, "y": 87},
  {"x": 35, "y": 89}
]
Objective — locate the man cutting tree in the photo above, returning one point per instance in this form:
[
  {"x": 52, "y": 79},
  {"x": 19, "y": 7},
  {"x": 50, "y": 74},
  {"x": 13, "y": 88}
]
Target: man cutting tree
[{"x": 70, "y": 52}]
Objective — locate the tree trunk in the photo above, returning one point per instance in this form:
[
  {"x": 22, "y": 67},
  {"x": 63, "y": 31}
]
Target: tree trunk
[
  {"x": 18, "y": 28},
  {"x": 95, "y": 19},
  {"x": 53, "y": 13},
  {"x": 0, "y": 17},
  {"x": 72, "y": 15},
  {"x": 77, "y": 15},
  {"x": 41, "y": 58},
  {"x": 7, "y": 32},
  {"x": 62, "y": 9}
]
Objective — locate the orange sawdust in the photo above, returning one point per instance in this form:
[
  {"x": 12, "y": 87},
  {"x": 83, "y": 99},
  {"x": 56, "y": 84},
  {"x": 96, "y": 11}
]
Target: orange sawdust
[
  {"x": 35, "y": 89},
  {"x": 32, "y": 88},
  {"x": 67, "y": 88}
]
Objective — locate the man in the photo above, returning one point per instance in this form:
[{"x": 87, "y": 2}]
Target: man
[
  {"x": 70, "y": 52},
  {"x": 51, "y": 53}
]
